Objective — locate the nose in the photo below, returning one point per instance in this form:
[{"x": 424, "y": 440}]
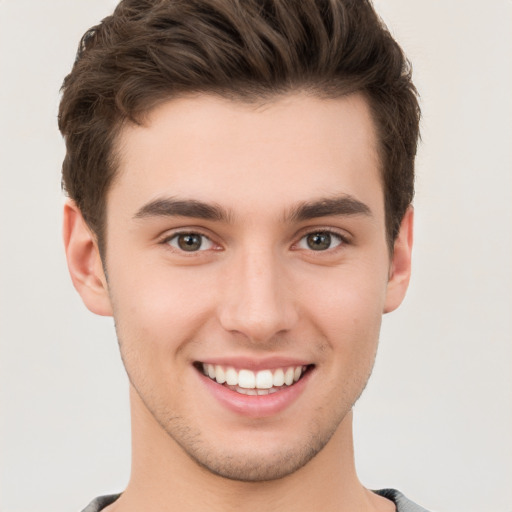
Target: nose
[{"x": 258, "y": 300}]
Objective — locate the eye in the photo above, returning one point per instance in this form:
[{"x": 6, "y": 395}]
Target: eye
[
  {"x": 190, "y": 242},
  {"x": 320, "y": 241}
]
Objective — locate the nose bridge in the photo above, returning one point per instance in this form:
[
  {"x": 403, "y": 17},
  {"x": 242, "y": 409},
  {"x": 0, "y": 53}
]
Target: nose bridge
[{"x": 256, "y": 301}]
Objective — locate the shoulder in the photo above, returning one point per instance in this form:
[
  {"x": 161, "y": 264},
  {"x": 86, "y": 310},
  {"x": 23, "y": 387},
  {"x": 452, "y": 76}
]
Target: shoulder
[
  {"x": 100, "y": 503},
  {"x": 402, "y": 503}
]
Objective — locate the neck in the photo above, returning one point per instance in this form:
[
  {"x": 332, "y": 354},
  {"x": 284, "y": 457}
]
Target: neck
[{"x": 164, "y": 478}]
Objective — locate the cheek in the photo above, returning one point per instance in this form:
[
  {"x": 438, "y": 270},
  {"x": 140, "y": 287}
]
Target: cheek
[
  {"x": 347, "y": 300},
  {"x": 151, "y": 325},
  {"x": 157, "y": 308},
  {"x": 348, "y": 315}
]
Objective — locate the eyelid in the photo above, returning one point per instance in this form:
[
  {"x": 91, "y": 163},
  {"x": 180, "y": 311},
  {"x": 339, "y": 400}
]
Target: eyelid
[
  {"x": 171, "y": 234},
  {"x": 344, "y": 238},
  {"x": 164, "y": 239}
]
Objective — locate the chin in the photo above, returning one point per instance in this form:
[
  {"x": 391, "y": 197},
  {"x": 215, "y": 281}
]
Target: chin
[
  {"x": 257, "y": 467},
  {"x": 258, "y": 461}
]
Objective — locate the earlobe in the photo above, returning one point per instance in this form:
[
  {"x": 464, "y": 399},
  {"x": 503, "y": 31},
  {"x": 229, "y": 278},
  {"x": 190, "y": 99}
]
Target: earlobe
[
  {"x": 84, "y": 261},
  {"x": 400, "y": 268}
]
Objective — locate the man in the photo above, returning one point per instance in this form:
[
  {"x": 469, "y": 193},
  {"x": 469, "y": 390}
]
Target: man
[{"x": 240, "y": 178}]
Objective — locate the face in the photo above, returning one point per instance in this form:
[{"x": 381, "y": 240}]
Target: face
[{"x": 248, "y": 271}]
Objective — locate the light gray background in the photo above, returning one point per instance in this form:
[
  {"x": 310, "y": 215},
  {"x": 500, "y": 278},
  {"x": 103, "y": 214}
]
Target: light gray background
[{"x": 436, "y": 419}]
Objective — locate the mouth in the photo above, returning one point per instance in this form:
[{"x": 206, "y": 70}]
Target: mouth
[{"x": 254, "y": 383}]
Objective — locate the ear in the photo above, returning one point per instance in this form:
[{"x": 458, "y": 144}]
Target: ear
[
  {"x": 84, "y": 261},
  {"x": 400, "y": 268}
]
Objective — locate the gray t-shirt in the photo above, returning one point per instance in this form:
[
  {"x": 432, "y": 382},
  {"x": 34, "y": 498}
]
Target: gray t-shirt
[{"x": 401, "y": 502}]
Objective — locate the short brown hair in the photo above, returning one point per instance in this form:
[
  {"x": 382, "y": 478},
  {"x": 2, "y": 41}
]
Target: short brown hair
[{"x": 149, "y": 51}]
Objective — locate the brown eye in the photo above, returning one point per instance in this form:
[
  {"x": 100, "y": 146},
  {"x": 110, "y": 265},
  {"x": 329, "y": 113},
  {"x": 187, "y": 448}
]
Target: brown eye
[
  {"x": 190, "y": 242},
  {"x": 320, "y": 241}
]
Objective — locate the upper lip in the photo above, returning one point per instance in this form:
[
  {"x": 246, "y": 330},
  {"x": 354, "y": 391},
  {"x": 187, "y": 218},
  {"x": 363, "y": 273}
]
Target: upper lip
[{"x": 256, "y": 364}]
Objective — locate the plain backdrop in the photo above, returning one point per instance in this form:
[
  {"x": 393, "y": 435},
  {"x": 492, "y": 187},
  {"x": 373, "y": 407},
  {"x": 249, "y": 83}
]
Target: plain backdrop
[{"x": 436, "y": 418}]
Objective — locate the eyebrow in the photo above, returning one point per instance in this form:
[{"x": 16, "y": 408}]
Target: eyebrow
[
  {"x": 171, "y": 207},
  {"x": 326, "y": 207}
]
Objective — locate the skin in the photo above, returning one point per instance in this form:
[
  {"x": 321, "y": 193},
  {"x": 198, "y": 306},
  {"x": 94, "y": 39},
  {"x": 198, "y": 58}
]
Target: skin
[{"x": 255, "y": 290}]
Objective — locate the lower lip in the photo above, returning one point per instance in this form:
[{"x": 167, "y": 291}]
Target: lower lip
[{"x": 256, "y": 406}]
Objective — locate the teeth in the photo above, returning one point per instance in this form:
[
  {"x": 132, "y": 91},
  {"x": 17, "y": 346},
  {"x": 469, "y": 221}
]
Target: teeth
[
  {"x": 246, "y": 379},
  {"x": 264, "y": 379},
  {"x": 244, "y": 391},
  {"x": 248, "y": 382},
  {"x": 220, "y": 375},
  {"x": 231, "y": 376},
  {"x": 278, "y": 378},
  {"x": 288, "y": 376}
]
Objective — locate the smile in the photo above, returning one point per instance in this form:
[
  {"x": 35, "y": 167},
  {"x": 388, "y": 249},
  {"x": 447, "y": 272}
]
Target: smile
[{"x": 248, "y": 382}]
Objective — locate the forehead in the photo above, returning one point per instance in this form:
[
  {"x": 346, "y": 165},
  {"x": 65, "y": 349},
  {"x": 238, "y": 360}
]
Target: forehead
[{"x": 245, "y": 156}]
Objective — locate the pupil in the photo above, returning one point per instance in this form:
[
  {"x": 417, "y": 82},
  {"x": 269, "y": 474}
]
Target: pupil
[
  {"x": 189, "y": 242},
  {"x": 319, "y": 241}
]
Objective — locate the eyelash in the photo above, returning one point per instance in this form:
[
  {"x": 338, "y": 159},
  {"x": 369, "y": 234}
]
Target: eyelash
[
  {"x": 342, "y": 240},
  {"x": 175, "y": 236}
]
